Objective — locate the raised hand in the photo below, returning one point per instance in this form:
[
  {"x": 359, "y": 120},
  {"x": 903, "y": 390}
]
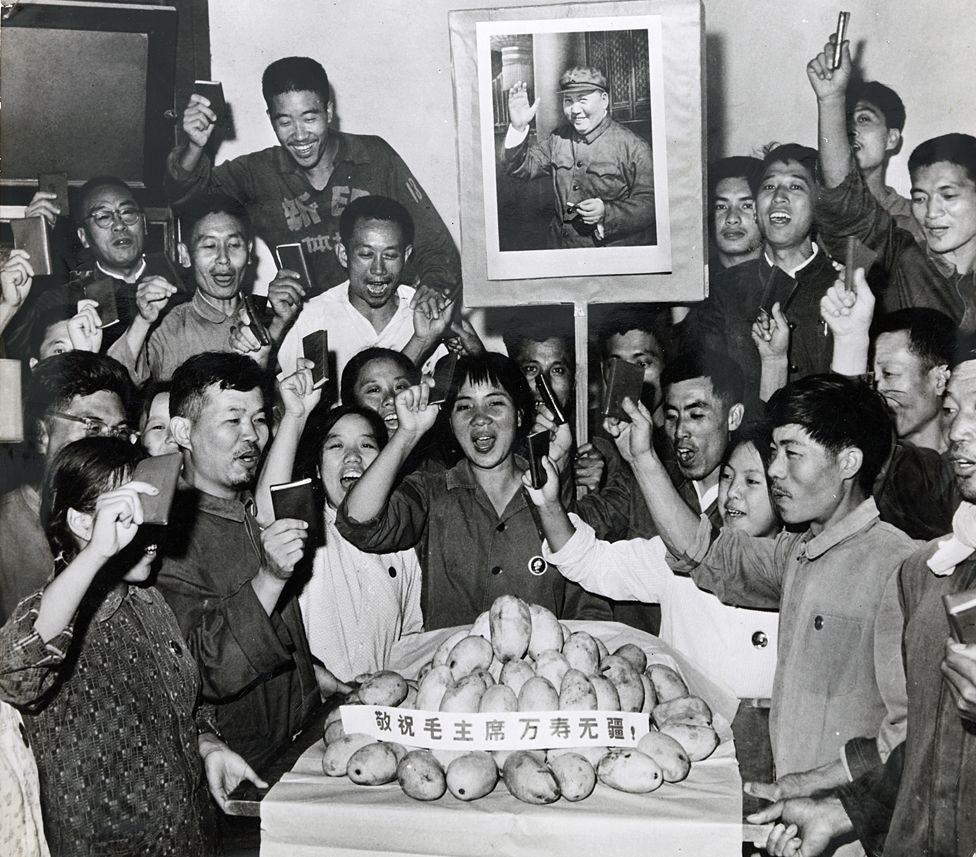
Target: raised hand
[
  {"x": 633, "y": 439},
  {"x": 520, "y": 112},
  {"x": 848, "y": 313},
  {"x": 298, "y": 394},
  {"x": 771, "y": 334},
  {"x": 830, "y": 82},
  {"x": 118, "y": 515},
  {"x": 414, "y": 416},
  {"x": 16, "y": 278},
  {"x": 152, "y": 293},
  {"x": 43, "y": 204},
  {"x": 285, "y": 295},
  {"x": 199, "y": 120},
  {"x": 548, "y": 494},
  {"x": 84, "y": 328}
]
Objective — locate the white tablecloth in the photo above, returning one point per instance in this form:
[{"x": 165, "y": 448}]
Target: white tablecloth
[{"x": 307, "y": 813}]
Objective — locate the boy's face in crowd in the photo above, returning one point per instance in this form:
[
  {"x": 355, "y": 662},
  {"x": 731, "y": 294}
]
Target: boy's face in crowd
[
  {"x": 301, "y": 124},
  {"x": 118, "y": 246},
  {"x": 484, "y": 421},
  {"x": 871, "y": 138},
  {"x": 734, "y": 218},
  {"x": 102, "y": 406},
  {"x": 944, "y": 204},
  {"x": 374, "y": 262},
  {"x": 550, "y": 359},
  {"x": 640, "y": 348},
  {"x": 155, "y": 436},
  {"x": 806, "y": 478},
  {"x": 785, "y": 204},
  {"x": 56, "y": 341},
  {"x": 585, "y": 110},
  {"x": 959, "y": 414},
  {"x": 376, "y": 388},
  {"x": 225, "y": 440},
  {"x": 698, "y": 423},
  {"x": 743, "y": 495},
  {"x": 913, "y": 393},
  {"x": 349, "y": 448},
  {"x": 219, "y": 253}
]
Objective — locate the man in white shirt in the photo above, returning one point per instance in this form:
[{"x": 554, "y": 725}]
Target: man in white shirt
[{"x": 372, "y": 308}]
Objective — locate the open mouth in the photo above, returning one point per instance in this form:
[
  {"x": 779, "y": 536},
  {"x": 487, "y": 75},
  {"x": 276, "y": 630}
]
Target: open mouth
[
  {"x": 963, "y": 466},
  {"x": 733, "y": 234},
  {"x": 303, "y": 151},
  {"x": 779, "y": 218},
  {"x": 378, "y": 288},
  {"x": 249, "y": 459},
  {"x": 685, "y": 455},
  {"x": 224, "y": 280},
  {"x": 391, "y": 420},
  {"x": 349, "y": 480},
  {"x": 483, "y": 443},
  {"x": 937, "y": 231},
  {"x": 732, "y": 512}
]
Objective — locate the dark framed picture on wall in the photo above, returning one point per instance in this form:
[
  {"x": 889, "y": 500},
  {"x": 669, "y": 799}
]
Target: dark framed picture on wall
[{"x": 573, "y": 145}]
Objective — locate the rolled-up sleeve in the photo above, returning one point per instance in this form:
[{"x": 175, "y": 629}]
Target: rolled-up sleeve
[
  {"x": 630, "y": 570},
  {"x": 739, "y": 569},
  {"x": 399, "y": 526}
]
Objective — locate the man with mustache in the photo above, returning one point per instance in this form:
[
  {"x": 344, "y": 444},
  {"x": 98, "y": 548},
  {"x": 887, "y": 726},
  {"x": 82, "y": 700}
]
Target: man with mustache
[
  {"x": 372, "y": 308},
  {"x": 920, "y": 801},
  {"x": 224, "y": 576},
  {"x": 831, "y": 574}
]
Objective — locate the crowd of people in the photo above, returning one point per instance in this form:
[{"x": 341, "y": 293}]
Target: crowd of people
[{"x": 786, "y": 502}]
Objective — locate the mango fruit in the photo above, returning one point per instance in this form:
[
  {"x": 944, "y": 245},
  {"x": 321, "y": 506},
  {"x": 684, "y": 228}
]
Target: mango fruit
[
  {"x": 629, "y": 770},
  {"x": 472, "y": 775},
  {"x": 574, "y": 775},
  {"x": 529, "y": 779},
  {"x": 511, "y": 627},
  {"x": 421, "y": 776},
  {"x": 383, "y": 688},
  {"x": 668, "y": 753}
]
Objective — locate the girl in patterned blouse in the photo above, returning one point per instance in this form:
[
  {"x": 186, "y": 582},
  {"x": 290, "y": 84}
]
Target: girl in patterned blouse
[{"x": 106, "y": 685}]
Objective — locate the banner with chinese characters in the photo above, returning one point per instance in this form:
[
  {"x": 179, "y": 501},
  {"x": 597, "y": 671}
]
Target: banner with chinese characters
[{"x": 515, "y": 730}]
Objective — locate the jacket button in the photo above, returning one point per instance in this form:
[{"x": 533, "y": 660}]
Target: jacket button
[
  {"x": 496, "y": 569},
  {"x": 794, "y": 367},
  {"x": 392, "y": 571},
  {"x": 501, "y": 527},
  {"x": 760, "y": 640},
  {"x": 818, "y": 622},
  {"x": 579, "y": 163},
  {"x": 575, "y": 187}
]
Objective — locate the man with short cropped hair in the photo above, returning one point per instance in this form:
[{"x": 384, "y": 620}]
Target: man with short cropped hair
[
  {"x": 373, "y": 307},
  {"x": 839, "y": 691},
  {"x": 218, "y": 250},
  {"x": 69, "y": 396},
  {"x": 224, "y": 576},
  {"x": 732, "y": 184},
  {"x": 793, "y": 272},
  {"x": 295, "y": 192},
  {"x": 921, "y": 800},
  {"x": 938, "y": 272}
]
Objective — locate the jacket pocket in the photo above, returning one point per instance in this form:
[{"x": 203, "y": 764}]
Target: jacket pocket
[{"x": 832, "y": 651}]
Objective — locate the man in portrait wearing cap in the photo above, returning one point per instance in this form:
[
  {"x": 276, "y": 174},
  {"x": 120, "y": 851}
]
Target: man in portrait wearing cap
[{"x": 602, "y": 173}]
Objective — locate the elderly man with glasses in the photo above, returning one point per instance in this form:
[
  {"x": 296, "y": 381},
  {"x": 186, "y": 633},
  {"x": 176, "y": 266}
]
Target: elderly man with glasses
[
  {"x": 112, "y": 227},
  {"x": 70, "y": 396}
]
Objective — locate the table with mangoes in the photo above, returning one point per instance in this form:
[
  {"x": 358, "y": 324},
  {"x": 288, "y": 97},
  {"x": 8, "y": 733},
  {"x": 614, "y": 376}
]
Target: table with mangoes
[{"x": 629, "y": 752}]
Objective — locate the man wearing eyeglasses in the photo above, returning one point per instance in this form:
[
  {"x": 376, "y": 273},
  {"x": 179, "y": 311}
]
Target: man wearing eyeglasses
[
  {"x": 112, "y": 227},
  {"x": 70, "y": 396}
]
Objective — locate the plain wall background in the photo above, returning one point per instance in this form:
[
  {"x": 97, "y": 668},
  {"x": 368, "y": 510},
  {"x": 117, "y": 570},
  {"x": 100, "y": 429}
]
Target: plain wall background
[{"x": 390, "y": 67}]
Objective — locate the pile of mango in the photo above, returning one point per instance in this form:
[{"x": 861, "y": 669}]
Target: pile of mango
[{"x": 519, "y": 657}]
